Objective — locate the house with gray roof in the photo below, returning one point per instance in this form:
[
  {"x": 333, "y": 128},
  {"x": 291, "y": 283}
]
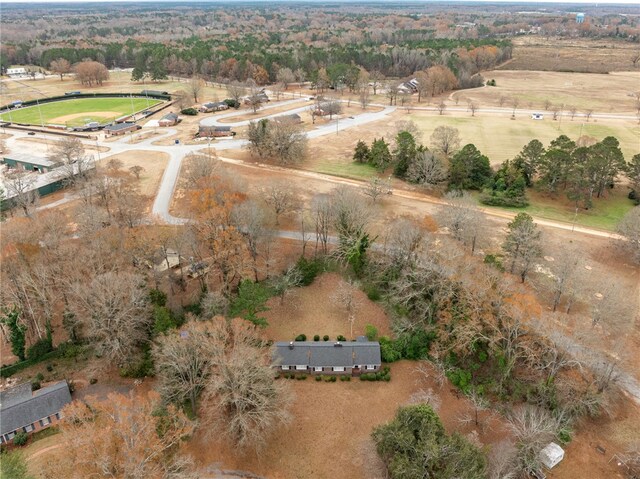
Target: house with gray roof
[
  {"x": 22, "y": 409},
  {"x": 169, "y": 119},
  {"x": 325, "y": 357}
]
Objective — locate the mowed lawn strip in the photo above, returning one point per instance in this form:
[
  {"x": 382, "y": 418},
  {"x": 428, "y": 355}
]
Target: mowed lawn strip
[{"x": 49, "y": 111}]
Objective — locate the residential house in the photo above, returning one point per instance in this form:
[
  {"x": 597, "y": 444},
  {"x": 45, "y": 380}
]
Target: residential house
[
  {"x": 24, "y": 410},
  {"x": 325, "y": 357},
  {"x": 215, "y": 131},
  {"x": 118, "y": 129},
  {"x": 257, "y": 98},
  {"x": 213, "y": 106},
  {"x": 409, "y": 87},
  {"x": 293, "y": 118},
  {"x": 170, "y": 119}
]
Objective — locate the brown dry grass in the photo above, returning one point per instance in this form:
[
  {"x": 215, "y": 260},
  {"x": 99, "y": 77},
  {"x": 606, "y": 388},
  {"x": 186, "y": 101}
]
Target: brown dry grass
[
  {"x": 578, "y": 55},
  {"x": 153, "y": 163}
]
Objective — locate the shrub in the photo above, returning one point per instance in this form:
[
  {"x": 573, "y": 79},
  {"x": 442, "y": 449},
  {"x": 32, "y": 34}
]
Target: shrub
[
  {"x": 38, "y": 349},
  {"x": 564, "y": 436},
  {"x": 504, "y": 200},
  {"x": 372, "y": 292},
  {"x": 301, "y": 377},
  {"x": 157, "y": 297},
  {"x": 20, "y": 439},
  {"x": 388, "y": 350},
  {"x": 316, "y": 337},
  {"x": 341, "y": 338},
  {"x": 49, "y": 368},
  {"x": 318, "y": 378},
  {"x": 35, "y": 385},
  {"x": 40, "y": 377},
  {"x": 189, "y": 111},
  {"x": 461, "y": 379},
  {"x": 325, "y": 337},
  {"x": 371, "y": 332},
  {"x": 333, "y": 379},
  {"x": 163, "y": 320},
  {"x": 139, "y": 367},
  {"x": 309, "y": 269},
  {"x": 231, "y": 103},
  {"x": 93, "y": 380},
  {"x": 301, "y": 337},
  {"x": 327, "y": 379},
  {"x": 494, "y": 260}
]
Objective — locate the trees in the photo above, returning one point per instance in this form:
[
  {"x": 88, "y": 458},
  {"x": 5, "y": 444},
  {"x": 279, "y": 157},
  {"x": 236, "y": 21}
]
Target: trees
[
  {"x": 361, "y": 152},
  {"x": 414, "y": 445},
  {"x": 629, "y": 228},
  {"x": 533, "y": 429},
  {"x": 469, "y": 169},
  {"x": 462, "y": 218},
  {"x": 200, "y": 165},
  {"x": 253, "y": 222},
  {"x": 633, "y": 173},
  {"x": 445, "y": 140},
  {"x": 529, "y": 159},
  {"x": 380, "y": 156},
  {"x": 404, "y": 153},
  {"x": 281, "y": 197},
  {"x": 114, "y": 311},
  {"x": 285, "y": 76},
  {"x": 75, "y": 162},
  {"x": 122, "y": 436},
  {"x": 376, "y": 188},
  {"x": 427, "y": 170},
  {"x": 346, "y": 298},
  {"x": 350, "y": 219},
  {"x": 236, "y": 90},
  {"x": 17, "y": 331},
  {"x": 183, "y": 361},
  {"x": 322, "y": 213},
  {"x": 90, "y": 72},
  {"x": 21, "y": 191},
  {"x": 330, "y": 106},
  {"x": 376, "y": 79},
  {"x": 282, "y": 141},
  {"x": 13, "y": 466},
  {"x": 61, "y": 66},
  {"x": 522, "y": 244},
  {"x": 242, "y": 400},
  {"x": 195, "y": 87}
]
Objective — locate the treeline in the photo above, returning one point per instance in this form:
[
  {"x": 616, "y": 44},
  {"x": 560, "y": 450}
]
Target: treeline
[
  {"x": 239, "y": 59},
  {"x": 584, "y": 170}
]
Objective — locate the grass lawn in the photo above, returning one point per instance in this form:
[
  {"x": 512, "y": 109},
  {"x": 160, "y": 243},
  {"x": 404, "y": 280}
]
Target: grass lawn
[
  {"x": 605, "y": 214},
  {"x": 501, "y": 138},
  {"x": 80, "y": 111},
  {"x": 346, "y": 169}
]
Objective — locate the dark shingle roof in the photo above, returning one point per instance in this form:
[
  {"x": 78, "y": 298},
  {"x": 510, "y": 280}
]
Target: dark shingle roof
[
  {"x": 222, "y": 128},
  {"x": 119, "y": 126},
  {"x": 20, "y": 407},
  {"x": 170, "y": 116},
  {"x": 315, "y": 354}
]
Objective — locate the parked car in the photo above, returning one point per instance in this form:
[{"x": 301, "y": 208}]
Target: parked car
[{"x": 32, "y": 133}]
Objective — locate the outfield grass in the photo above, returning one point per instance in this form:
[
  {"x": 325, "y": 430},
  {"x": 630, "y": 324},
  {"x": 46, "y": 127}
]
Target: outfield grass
[
  {"x": 605, "y": 214},
  {"x": 89, "y": 109},
  {"x": 501, "y": 138}
]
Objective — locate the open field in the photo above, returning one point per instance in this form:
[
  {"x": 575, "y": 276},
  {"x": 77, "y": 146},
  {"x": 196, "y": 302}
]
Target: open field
[
  {"x": 501, "y": 138},
  {"x": 79, "y": 111},
  {"x": 537, "y": 52},
  {"x": 605, "y": 214},
  {"x": 612, "y": 93}
]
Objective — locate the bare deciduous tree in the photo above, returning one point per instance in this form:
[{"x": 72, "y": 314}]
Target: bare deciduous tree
[
  {"x": 75, "y": 162},
  {"x": 445, "y": 140},
  {"x": 281, "y": 196},
  {"x": 533, "y": 428},
  {"x": 462, "y": 218},
  {"x": 242, "y": 400},
  {"x": 136, "y": 170},
  {"x": 254, "y": 223},
  {"x": 200, "y": 165},
  {"x": 427, "y": 170},
  {"x": 346, "y": 298},
  {"x": 376, "y": 188},
  {"x": 629, "y": 228},
  {"x": 61, "y": 66},
  {"x": 236, "y": 90},
  {"x": 442, "y": 106},
  {"x": 195, "y": 87},
  {"x": 21, "y": 191},
  {"x": 114, "y": 311},
  {"x": 322, "y": 213}
]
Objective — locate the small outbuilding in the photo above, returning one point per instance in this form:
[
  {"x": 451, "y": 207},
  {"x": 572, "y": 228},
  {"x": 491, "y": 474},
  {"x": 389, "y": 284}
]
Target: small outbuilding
[
  {"x": 118, "y": 129},
  {"x": 170, "y": 119},
  {"x": 213, "y": 106},
  {"x": 551, "y": 455},
  {"x": 293, "y": 118}
]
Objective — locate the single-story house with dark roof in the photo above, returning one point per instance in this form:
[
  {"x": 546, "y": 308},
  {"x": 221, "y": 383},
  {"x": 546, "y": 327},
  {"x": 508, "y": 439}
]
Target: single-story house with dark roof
[
  {"x": 325, "y": 357},
  {"x": 293, "y": 118},
  {"x": 169, "y": 119},
  {"x": 24, "y": 410},
  {"x": 29, "y": 162},
  {"x": 215, "y": 131},
  {"x": 213, "y": 106},
  {"x": 120, "y": 128}
]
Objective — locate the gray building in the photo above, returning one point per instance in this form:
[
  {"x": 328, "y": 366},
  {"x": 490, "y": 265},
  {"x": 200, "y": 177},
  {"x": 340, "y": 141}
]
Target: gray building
[
  {"x": 324, "y": 357},
  {"x": 24, "y": 410}
]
